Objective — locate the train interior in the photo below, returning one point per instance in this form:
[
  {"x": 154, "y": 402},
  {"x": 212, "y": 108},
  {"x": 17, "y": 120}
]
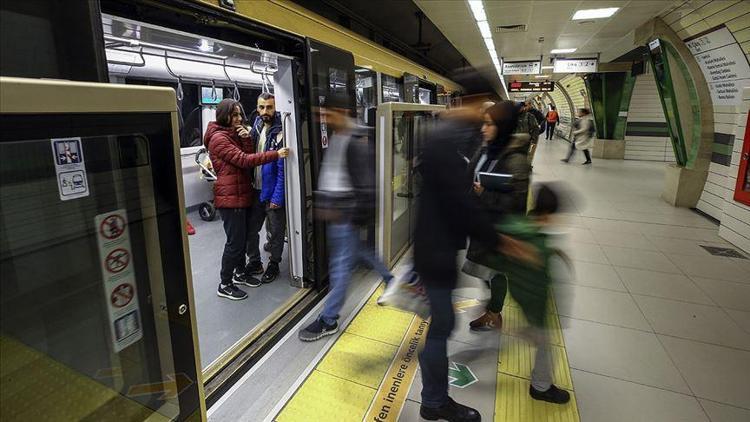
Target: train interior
[{"x": 202, "y": 72}]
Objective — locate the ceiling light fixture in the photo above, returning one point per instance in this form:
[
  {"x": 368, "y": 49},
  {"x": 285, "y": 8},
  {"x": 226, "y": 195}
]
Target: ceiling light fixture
[
  {"x": 563, "y": 50},
  {"x": 484, "y": 28},
  {"x": 595, "y": 13},
  {"x": 204, "y": 46},
  {"x": 496, "y": 61},
  {"x": 548, "y": 67},
  {"x": 489, "y": 43},
  {"x": 542, "y": 76},
  {"x": 478, "y": 10},
  {"x": 493, "y": 53}
]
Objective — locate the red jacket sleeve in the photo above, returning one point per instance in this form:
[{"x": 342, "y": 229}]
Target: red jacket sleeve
[{"x": 221, "y": 146}]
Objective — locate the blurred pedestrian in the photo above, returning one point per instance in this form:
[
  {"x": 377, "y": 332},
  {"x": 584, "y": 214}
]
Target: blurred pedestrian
[
  {"x": 345, "y": 200},
  {"x": 528, "y": 123},
  {"x": 583, "y": 135},
  {"x": 446, "y": 215},
  {"x": 232, "y": 156}
]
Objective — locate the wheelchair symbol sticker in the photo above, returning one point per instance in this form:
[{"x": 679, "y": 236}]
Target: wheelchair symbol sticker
[{"x": 117, "y": 260}]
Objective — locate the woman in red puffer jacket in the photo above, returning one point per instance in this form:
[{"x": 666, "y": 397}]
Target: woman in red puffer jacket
[{"x": 231, "y": 151}]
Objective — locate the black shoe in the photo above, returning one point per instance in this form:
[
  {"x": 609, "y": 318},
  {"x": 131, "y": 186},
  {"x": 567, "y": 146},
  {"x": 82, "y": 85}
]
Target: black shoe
[
  {"x": 254, "y": 268},
  {"x": 231, "y": 292},
  {"x": 272, "y": 271},
  {"x": 564, "y": 160},
  {"x": 451, "y": 412},
  {"x": 317, "y": 330},
  {"x": 586, "y": 162},
  {"x": 553, "y": 395},
  {"x": 245, "y": 280}
]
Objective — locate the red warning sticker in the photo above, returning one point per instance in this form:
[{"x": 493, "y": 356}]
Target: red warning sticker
[
  {"x": 117, "y": 260},
  {"x": 112, "y": 227},
  {"x": 122, "y": 295}
]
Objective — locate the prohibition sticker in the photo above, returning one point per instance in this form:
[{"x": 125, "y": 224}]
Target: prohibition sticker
[
  {"x": 117, "y": 260},
  {"x": 122, "y": 295},
  {"x": 112, "y": 227}
]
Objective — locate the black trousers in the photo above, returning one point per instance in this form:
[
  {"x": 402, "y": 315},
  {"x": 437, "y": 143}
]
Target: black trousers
[
  {"x": 236, "y": 222},
  {"x": 275, "y": 226},
  {"x": 550, "y": 130},
  {"x": 433, "y": 361},
  {"x": 573, "y": 151}
]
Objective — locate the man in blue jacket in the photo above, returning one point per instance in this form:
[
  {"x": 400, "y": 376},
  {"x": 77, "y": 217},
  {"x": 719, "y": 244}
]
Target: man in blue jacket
[{"x": 268, "y": 188}]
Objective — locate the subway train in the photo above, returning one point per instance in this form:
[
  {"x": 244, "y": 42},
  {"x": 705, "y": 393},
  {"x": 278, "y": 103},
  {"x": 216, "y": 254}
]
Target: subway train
[{"x": 163, "y": 67}]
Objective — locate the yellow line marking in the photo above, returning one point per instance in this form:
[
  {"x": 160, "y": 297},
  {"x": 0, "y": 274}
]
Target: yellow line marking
[
  {"x": 391, "y": 396},
  {"x": 514, "y": 404},
  {"x": 462, "y": 305},
  {"x": 358, "y": 359}
]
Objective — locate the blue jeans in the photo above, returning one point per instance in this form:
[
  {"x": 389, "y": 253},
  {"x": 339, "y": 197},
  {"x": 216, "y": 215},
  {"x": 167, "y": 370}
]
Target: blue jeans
[
  {"x": 344, "y": 250},
  {"x": 433, "y": 361}
]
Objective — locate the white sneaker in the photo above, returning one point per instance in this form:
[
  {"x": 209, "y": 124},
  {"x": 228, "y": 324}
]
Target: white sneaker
[{"x": 407, "y": 294}]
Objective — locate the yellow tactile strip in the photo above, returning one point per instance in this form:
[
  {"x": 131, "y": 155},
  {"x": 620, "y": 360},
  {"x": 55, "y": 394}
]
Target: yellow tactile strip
[
  {"x": 345, "y": 382},
  {"x": 515, "y": 362}
]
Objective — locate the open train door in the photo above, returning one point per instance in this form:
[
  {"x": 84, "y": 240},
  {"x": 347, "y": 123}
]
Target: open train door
[{"x": 330, "y": 71}]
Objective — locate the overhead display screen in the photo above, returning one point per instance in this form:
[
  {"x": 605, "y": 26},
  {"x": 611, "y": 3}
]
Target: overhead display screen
[
  {"x": 526, "y": 86},
  {"x": 575, "y": 65}
]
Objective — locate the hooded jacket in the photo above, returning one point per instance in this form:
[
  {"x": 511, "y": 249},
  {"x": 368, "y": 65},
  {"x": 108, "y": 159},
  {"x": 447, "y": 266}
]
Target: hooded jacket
[
  {"x": 512, "y": 200},
  {"x": 232, "y": 158}
]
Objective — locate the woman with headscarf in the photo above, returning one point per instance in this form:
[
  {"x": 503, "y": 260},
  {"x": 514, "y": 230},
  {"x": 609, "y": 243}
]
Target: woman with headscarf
[{"x": 505, "y": 153}]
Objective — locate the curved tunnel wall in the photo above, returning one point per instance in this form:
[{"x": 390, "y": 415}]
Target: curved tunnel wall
[{"x": 729, "y": 120}]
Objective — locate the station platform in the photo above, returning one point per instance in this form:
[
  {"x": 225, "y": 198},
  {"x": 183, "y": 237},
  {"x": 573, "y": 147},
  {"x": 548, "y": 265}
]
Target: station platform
[{"x": 655, "y": 327}]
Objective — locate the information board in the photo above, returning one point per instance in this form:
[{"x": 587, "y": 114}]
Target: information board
[
  {"x": 575, "y": 65},
  {"x": 525, "y": 86},
  {"x": 522, "y": 68},
  {"x": 723, "y": 64}
]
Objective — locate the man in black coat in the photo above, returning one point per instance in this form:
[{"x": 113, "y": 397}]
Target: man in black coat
[{"x": 447, "y": 214}]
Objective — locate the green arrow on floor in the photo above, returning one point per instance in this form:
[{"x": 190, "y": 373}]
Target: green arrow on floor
[{"x": 460, "y": 375}]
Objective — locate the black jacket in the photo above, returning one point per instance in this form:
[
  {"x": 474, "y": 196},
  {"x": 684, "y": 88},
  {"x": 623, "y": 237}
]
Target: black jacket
[
  {"x": 446, "y": 213},
  {"x": 512, "y": 200}
]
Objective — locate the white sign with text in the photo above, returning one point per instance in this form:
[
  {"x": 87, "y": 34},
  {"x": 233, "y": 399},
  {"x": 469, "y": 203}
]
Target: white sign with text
[
  {"x": 522, "y": 68},
  {"x": 723, "y": 64},
  {"x": 575, "y": 65}
]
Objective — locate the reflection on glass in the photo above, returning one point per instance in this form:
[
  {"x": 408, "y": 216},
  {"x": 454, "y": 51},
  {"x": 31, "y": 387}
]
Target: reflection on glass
[
  {"x": 63, "y": 348},
  {"x": 391, "y": 89},
  {"x": 366, "y": 94}
]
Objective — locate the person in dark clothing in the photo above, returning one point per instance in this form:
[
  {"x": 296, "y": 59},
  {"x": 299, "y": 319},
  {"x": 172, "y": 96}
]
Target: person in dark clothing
[
  {"x": 231, "y": 150},
  {"x": 504, "y": 154},
  {"x": 345, "y": 200},
  {"x": 553, "y": 118},
  {"x": 446, "y": 215},
  {"x": 268, "y": 192}
]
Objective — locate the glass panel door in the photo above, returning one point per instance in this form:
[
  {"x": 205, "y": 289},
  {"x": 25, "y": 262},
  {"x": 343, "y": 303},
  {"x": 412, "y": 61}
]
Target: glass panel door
[{"x": 94, "y": 318}]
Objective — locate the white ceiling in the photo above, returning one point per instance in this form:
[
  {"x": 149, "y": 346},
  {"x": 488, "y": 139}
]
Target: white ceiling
[{"x": 550, "y": 19}]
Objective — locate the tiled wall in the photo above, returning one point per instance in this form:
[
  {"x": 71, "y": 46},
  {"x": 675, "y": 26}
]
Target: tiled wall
[
  {"x": 566, "y": 114},
  {"x": 646, "y": 136},
  {"x": 688, "y": 19}
]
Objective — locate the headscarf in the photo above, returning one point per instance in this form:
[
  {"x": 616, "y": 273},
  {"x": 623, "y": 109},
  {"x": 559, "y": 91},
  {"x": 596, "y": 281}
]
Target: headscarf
[{"x": 505, "y": 116}]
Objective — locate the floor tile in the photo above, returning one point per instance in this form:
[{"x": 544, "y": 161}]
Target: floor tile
[
  {"x": 742, "y": 318},
  {"x": 622, "y": 353},
  {"x": 726, "y": 294},
  {"x": 605, "y": 306},
  {"x": 602, "y": 398},
  {"x": 692, "y": 321},
  {"x": 633, "y": 258},
  {"x": 715, "y": 267},
  {"x": 660, "y": 284},
  {"x": 410, "y": 412},
  {"x": 611, "y": 225},
  {"x": 578, "y": 234},
  {"x": 713, "y": 372},
  {"x": 586, "y": 252},
  {"x": 593, "y": 275},
  {"x": 626, "y": 240},
  {"x": 719, "y": 412}
]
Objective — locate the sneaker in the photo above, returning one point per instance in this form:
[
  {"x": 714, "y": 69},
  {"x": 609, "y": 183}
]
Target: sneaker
[
  {"x": 488, "y": 321},
  {"x": 317, "y": 330},
  {"x": 552, "y": 395},
  {"x": 245, "y": 280},
  {"x": 407, "y": 294},
  {"x": 451, "y": 412},
  {"x": 267, "y": 247},
  {"x": 272, "y": 271},
  {"x": 189, "y": 227},
  {"x": 231, "y": 292},
  {"x": 564, "y": 160},
  {"x": 586, "y": 162},
  {"x": 254, "y": 268}
]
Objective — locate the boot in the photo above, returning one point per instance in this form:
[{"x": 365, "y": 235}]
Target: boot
[{"x": 488, "y": 321}]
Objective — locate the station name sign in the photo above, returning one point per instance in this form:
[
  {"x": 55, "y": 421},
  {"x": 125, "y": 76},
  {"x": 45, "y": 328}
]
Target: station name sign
[
  {"x": 575, "y": 65},
  {"x": 522, "y": 68},
  {"x": 526, "y": 86}
]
